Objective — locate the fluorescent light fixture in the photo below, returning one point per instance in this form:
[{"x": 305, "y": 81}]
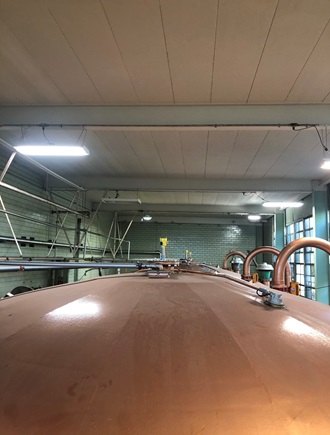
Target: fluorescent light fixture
[
  {"x": 254, "y": 217},
  {"x": 282, "y": 204},
  {"x": 121, "y": 200},
  {"x": 52, "y": 150},
  {"x": 147, "y": 218}
]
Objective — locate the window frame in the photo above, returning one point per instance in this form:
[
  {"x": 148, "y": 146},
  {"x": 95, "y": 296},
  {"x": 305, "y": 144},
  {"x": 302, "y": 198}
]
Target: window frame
[{"x": 302, "y": 261}]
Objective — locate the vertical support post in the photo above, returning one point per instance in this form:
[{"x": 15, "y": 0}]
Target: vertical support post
[
  {"x": 89, "y": 225},
  {"x": 128, "y": 250},
  {"x": 108, "y": 238},
  {"x": 259, "y": 241},
  {"x": 62, "y": 224},
  {"x": 320, "y": 212},
  {"x": 10, "y": 226},
  {"x": 85, "y": 248},
  {"x": 114, "y": 236},
  {"x": 2, "y": 176},
  {"x": 279, "y": 230},
  {"x": 5, "y": 169},
  {"x": 77, "y": 243},
  {"x": 122, "y": 239}
]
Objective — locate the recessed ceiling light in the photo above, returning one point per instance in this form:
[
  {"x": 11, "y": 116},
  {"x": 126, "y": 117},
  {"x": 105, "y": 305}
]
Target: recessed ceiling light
[
  {"x": 52, "y": 150},
  {"x": 254, "y": 217}
]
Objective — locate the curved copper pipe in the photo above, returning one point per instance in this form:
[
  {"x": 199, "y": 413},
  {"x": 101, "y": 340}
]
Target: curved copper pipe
[
  {"x": 231, "y": 254},
  {"x": 289, "y": 250},
  {"x": 271, "y": 250}
]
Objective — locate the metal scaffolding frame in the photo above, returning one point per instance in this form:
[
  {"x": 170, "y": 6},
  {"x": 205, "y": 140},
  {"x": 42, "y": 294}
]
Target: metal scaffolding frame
[
  {"x": 117, "y": 241},
  {"x": 75, "y": 246}
]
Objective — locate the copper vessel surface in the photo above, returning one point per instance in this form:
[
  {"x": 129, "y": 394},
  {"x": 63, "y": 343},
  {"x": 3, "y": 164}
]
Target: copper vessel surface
[{"x": 193, "y": 354}]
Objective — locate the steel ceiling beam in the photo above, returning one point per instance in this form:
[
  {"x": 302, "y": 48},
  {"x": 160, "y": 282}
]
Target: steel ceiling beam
[
  {"x": 167, "y": 115},
  {"x": 170, "y": 209},
  {"x": 151, "y": 184}
]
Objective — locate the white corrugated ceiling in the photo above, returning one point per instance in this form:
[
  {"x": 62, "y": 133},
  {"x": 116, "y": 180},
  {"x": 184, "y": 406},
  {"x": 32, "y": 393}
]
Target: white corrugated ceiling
[{"x": 157, "y": 52}]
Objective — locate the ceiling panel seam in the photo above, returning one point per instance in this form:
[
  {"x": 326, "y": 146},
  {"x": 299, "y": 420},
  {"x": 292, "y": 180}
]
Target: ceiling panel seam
[
  {"x": 206, "y": 153},
  {"x": 281, "y": 154},
  {"x": 304, "y": 65},
  {"x": 36, "y": 62},
  {"x": 262, "y": 52},
  {"x": 134, "y": 152},
  {"x": 160, "y": 157},
  {"x": 119, "y": 51},
  {"x": 231, "y": 153},
  {"x": 255, "y": 154},
  {"x": 214, "y": 50},
  {"x": 75, "y": 54},
  {"x": 182, "y": 154},
  {"x": 166, "y": 49}
]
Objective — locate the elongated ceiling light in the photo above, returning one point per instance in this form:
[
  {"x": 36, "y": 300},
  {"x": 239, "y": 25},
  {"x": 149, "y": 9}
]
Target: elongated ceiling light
[
  {"x": 52, "y": 150},
  {"x": 282, "y": 204},
  {"x": 122, "y": 200}
]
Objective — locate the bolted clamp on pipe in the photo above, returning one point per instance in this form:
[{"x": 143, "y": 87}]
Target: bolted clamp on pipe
[{"x": 271, "y": 298}]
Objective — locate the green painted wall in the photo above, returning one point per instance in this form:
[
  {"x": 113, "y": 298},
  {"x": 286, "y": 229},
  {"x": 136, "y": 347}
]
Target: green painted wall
[
  {"x": 208, "y": 243},
  {"x": 42, "y": 228}
]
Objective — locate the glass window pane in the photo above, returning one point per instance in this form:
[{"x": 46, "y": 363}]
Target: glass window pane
[{"x": 302, "y": 261}]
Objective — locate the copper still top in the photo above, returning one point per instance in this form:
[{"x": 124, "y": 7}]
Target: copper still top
[{"x": 193, "y": 354}]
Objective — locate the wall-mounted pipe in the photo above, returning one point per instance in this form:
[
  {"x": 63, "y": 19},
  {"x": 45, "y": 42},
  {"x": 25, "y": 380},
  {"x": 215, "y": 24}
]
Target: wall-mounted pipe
[
  {"x": 48, "y": 243},
  {"x": 264, "y": 249},
  {"x": 20, "y": 266},
  {"x": 38, "y": 198},
  {"x": 231, "y": 254},
  {"x": 49, "y": 224},
  {"x": 305, "y": 242},
  {"x": 27, "y": 218}
]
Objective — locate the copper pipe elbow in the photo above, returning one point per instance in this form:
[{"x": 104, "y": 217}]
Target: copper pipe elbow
[
  {"x": 304, "y": 242},
  {"x": 264, "y": 249},
  {"x": 231, "y": 254}
]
